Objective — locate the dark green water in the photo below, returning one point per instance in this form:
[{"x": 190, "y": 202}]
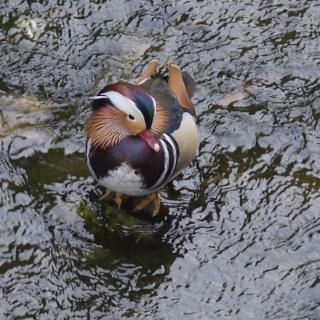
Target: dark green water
[{"x": 238, "y": 232}]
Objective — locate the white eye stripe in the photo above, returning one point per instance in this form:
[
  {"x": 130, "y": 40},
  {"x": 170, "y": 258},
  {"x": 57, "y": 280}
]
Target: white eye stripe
[
  {"x": 122, "y": 103},
  {"x": 102, "y": 95},
  {"x": 97, "y": 97}
]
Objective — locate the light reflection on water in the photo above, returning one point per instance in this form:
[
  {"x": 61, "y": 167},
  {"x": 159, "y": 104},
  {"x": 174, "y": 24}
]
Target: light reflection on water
[{"x": 237, "y": 235}]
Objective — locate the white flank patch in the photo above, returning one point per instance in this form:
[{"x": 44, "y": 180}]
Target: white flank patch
[{"x": 124, "y": 180}]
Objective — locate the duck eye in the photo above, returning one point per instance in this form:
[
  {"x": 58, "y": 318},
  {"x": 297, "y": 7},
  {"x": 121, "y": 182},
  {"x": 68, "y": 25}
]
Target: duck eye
[{"x": 130, "y": 116}]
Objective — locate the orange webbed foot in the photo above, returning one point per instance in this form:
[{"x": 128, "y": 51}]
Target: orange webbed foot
[{"x": 148, "y": 199}]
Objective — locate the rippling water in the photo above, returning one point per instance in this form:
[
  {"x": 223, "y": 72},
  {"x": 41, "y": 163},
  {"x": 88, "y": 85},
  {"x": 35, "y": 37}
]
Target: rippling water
[{"x": 238, "y": 232}]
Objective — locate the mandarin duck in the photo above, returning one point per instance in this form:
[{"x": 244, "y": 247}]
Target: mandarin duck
[{"x": 140, "y": 136}]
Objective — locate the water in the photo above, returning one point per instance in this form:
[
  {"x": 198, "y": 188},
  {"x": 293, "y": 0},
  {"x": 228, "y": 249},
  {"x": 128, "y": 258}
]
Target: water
[{"x": 237, "y": 234}]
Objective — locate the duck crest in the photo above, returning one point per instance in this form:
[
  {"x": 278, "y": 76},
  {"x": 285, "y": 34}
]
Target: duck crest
[
  {"x": 144, "y": 102},
  {"x": 133, "y": 93}
]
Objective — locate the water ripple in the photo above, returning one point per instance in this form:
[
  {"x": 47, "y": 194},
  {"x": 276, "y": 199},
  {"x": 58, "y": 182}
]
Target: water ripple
[{"x": 238, "y": 232}]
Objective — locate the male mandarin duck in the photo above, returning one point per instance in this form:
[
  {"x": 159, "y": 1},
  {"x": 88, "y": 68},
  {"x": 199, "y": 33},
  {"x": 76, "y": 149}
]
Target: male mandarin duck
[{"x": 140, "y": 136}]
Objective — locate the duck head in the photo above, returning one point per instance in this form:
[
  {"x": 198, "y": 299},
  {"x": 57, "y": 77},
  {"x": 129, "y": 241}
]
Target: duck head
[{"x": 121, "y": 110}]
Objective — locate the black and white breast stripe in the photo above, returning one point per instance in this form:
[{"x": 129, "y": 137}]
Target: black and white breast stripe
[
  {"x": 88, "y": 156},
  {"x": 171, "y": 155}
]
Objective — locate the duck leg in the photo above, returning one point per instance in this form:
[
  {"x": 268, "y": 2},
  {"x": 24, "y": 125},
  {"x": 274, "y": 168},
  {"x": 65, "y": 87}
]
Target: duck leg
[
  {"x": 117, "y": 199},
  {"x": 148, "y": 199},
  {"x": 108, "y": 191}
]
